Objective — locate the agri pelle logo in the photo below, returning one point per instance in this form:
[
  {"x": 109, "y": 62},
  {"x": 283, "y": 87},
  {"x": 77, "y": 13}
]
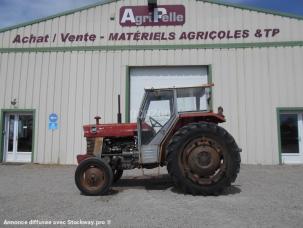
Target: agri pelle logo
[{"x": 162, "y": 15}]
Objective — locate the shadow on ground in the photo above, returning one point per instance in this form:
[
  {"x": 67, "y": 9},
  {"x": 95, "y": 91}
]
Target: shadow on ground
[{"x": 161, "y": 182}]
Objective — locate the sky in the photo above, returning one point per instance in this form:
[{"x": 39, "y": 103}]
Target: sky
[{"x": 13, "y": 12}]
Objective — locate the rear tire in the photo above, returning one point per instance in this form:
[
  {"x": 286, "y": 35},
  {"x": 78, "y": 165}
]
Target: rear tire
[
  {"x": 94, "y": 177},
  {"x": 203, "y": 158}
]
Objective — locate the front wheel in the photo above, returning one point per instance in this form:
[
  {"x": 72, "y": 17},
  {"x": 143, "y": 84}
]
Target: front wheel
[
  {"x": 203, "y": 158},
  {"x": 93, "y": 177}
]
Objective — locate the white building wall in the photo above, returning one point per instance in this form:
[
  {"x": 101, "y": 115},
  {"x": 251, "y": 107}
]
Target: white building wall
[
  {"x": 249, "y": 83},
  {"x": 200, "y": 16}
]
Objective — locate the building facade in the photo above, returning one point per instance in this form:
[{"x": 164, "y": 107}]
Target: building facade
[{"x": 58, "y": 72}]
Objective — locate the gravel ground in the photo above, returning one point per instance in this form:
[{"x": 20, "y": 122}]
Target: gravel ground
[{"x": 263, "y": 196}]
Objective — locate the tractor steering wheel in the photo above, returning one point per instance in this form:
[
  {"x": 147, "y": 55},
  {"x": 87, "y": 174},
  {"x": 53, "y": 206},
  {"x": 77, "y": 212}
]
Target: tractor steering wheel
[{"x": 154, "y": 122}]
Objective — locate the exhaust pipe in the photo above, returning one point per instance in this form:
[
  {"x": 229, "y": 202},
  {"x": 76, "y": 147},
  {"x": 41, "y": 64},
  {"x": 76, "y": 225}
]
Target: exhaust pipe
[{"x": 119, "y": 115}]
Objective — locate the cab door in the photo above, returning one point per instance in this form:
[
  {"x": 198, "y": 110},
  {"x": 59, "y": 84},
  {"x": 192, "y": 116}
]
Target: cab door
[{"x": 155, "y": 118}]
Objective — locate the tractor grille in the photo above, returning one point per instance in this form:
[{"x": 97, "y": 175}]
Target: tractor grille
[{"x": 90, "y": 146}]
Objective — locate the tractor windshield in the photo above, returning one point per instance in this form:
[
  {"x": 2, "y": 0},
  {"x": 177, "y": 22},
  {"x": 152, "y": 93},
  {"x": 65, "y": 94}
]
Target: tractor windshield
[{"x": 194, "y": 99}]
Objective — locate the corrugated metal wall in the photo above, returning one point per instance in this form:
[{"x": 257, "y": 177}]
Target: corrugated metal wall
[
  {"x": 200, "y": 16},
  {"x": 250, "y": 84}
]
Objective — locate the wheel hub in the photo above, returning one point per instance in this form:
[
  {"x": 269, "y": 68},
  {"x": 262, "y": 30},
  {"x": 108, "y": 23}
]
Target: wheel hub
[
  {"x": 203, "y": 160},
  {"x": 93, "y": 178}
]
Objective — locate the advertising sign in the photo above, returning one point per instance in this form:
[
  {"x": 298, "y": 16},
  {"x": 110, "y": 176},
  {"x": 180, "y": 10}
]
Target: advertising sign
[
  {"x": 162, "y": 15},
  {"x": 136, "y": 18}
]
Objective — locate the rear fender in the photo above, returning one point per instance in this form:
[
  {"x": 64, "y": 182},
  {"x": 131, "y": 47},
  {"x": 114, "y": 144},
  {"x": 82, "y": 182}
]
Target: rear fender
[{"x": 186, "y": 118}]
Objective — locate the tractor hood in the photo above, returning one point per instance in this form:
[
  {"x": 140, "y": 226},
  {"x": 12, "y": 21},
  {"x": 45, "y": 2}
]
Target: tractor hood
[
  {"x": 113, "y": 130},
  {"x": 110, "y": 130}
]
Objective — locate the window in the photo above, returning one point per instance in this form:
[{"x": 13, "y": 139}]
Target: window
[
  {"x": 291, "y": 133},
  {"x": 192, "y": 99},
  {"x": 158, "y": 111},
  {"x": 158, "y": 108}
]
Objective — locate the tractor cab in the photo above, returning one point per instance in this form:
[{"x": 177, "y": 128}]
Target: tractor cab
[{"x": 161, "y": 109}]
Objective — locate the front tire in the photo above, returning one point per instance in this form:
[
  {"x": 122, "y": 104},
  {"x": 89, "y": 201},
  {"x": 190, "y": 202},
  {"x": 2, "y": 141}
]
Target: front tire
[
  {"x": 94, "y": 177},
  {"x": 203, "y": 158}
]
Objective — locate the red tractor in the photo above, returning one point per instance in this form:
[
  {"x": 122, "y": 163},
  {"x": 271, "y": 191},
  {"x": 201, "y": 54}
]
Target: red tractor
[{"x": 175, "y": 128}]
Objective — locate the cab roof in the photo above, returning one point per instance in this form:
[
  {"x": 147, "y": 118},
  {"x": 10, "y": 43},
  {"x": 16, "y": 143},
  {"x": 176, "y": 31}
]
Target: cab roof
[{"x": 185, "y": 87}]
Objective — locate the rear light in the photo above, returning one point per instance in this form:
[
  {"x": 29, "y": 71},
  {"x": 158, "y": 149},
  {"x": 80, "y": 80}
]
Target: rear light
[{"x": 220, "y": 111}]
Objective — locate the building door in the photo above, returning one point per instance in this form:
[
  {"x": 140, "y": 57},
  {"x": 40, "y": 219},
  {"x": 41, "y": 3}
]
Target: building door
[
  {"x": 162, "y": 77},
  {"x": 18, "y": 135},
  {"x": 291, "y": 133}
]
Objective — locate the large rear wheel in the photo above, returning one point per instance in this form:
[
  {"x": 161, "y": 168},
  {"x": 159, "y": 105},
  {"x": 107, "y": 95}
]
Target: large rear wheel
[
  {"x": 203, "y": 158},
  {"x": 93, "y": 177}
]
